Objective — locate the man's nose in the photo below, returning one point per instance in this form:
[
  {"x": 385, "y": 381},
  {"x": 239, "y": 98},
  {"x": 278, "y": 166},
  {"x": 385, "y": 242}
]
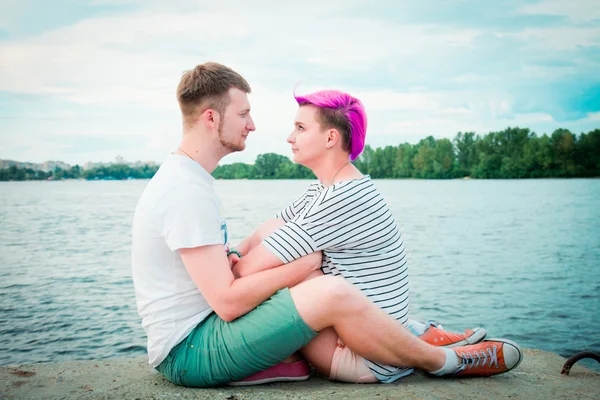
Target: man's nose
[{"x": 251, "y": 126}]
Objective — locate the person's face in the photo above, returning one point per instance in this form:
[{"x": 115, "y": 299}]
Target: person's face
[
  {"x": 308, "y": 139},
  {"x": 236, "y": 122}
]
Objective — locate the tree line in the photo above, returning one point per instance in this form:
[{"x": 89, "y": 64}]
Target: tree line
[
  {"x": 109, "y": 172},
  {"x": 508, "y": 154}
]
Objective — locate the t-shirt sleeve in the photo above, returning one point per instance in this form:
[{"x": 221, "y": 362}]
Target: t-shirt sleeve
[
  {"x": 296, "y": 207},
  {"x": 191, "y": 217},
  {"x": 328, "y": 222},
  {"x": 291, "y": 242}
]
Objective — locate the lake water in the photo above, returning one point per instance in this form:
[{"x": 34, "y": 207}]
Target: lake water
[{"x": 520, "y": 258}]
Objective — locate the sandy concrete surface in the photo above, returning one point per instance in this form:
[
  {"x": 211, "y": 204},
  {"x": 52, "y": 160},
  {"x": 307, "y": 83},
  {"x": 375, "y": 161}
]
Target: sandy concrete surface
[{"x": 538, "y": 377}]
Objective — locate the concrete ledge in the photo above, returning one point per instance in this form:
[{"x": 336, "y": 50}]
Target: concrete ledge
[{"x": 538, "y": 377}]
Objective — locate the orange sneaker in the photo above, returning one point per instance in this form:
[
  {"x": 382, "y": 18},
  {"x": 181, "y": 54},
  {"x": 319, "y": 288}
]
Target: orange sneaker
[
  {"x": 436, "y": 336},
  {"x": 490, "y": 357}
]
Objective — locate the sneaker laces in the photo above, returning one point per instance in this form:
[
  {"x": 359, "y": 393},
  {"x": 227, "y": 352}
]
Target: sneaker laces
[
  {"x": 435, "y": 324},
  {"x": 478, "y": 358}
]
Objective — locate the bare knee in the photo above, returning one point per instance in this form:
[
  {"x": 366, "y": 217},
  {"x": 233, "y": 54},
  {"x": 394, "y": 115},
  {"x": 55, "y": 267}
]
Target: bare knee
[
  {"x": 324, "y": 300},
  {"x": 339, "y": 294}
]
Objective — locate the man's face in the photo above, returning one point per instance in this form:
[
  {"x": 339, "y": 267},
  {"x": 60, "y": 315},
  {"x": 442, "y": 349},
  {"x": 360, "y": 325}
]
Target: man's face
[
  {"x": 308, "y": 139},
  {"x": 236, "y": 123}
]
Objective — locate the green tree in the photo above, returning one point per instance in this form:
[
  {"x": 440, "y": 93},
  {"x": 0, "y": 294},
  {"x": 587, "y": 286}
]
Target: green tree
[
  {"x": 268, "y": 166},
  {"x": 443, "y": 159},
  {"x": 588, "y": 153},
  {"x": 489, "y": 157},
  {"x": 466, "y": 152},
  {"x": 363, "y": 162},
  {"x": 563, "y": 152},
  {"x": 294, "y": 171},
  {"x": 234, "y": 171},
  {"x": 424, "y": 158},
  {"x": 403, "y": 166},
  {"x": 512, "y": 142},
  {"x": 382, "y": 163}
]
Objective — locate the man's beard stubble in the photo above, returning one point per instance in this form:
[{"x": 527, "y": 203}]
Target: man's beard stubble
[{"x": 232, "y": 147}]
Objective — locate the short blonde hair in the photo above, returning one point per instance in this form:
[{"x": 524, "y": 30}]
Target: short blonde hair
[{"x": 207, "y": 86}]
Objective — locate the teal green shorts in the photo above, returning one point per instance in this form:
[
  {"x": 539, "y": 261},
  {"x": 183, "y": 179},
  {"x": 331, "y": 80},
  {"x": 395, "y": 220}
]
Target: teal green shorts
[{"x": 217, "y": 352}]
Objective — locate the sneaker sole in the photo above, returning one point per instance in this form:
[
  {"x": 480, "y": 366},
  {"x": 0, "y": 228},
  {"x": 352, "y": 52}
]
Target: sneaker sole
[
  {"x": 478, "y": 336},
  {"x": 271, "y": 380},
  {"x": 516, "y": 348}
]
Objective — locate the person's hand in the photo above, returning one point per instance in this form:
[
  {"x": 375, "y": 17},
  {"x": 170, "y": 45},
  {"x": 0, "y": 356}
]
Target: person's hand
[
  {"x": 233, "y": 259},
  {"x": 317, "y": 258}
]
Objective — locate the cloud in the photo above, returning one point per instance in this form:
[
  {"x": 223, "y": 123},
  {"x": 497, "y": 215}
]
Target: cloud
[
  {"x": 558, "y": 39},
  {"x": 109, "y": 76},
  {"x": 576, "y": 11}
]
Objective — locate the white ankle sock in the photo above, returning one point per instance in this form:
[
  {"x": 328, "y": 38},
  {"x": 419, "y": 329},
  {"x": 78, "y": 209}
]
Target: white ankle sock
[
  {"x": 416, "y": 327},
  {"x": 451, "y": 364}
]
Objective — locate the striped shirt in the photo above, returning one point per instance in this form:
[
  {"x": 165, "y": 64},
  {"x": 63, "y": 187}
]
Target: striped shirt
[{"x": 354, "y": 227}]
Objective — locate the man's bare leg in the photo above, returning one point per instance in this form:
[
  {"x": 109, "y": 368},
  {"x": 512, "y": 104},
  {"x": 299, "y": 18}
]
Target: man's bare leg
[
  {"x": 330, "y": 302},
  {"x": 319, "y": 352}
]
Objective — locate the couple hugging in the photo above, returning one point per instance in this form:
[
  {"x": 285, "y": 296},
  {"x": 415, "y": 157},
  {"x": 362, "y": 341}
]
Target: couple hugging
[{"x": 323, "y": 283}]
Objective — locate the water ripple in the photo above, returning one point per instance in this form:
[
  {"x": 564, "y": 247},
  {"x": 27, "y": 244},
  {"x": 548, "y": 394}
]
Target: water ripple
[{"x": 519, "y": 258}]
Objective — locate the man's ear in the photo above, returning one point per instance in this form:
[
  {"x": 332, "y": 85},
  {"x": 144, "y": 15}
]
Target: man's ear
[{"x": 210, "y": 118}]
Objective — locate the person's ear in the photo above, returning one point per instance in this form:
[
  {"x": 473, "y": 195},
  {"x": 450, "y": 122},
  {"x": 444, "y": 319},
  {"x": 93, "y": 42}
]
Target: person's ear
[
  {"x": 332, "y": 138},
  {"x": 210, "y": 118}
]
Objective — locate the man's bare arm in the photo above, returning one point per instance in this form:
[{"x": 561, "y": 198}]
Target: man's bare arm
[
  {"x": 231, "y": 298},
  {"x": 261, "y": 259}
]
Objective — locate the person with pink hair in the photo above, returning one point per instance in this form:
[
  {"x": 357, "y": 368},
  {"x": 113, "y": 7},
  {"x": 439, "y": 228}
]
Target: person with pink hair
[{"x": 344, "y": 216}]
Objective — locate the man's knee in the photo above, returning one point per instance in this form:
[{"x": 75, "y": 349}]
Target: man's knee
[
  {"x": 335, "y": 293},
  {"x": 324, "y": 300}
]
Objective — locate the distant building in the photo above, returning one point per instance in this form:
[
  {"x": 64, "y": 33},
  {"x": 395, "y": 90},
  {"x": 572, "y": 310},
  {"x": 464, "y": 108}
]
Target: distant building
[
  {"x": 92, "y": 165},
  {"x": 46, "y": 166},
  {"x": 53, "y": 165}
]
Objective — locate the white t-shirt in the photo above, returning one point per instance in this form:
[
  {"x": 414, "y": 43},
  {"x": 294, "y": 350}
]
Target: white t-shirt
[
  {"x": 352, "y": 224},
  {"x": 178, "y": 209}
]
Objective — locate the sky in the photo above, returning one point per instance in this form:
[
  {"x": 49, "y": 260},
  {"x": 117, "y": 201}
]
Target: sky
[{"x": 91, "y": 80}]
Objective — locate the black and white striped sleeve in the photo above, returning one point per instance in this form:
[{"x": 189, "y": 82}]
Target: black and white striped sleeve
[
  {"x": 289, "y": 212},
  {"x": 323, "y": 224},
  {"x": 290, "y": 242}
]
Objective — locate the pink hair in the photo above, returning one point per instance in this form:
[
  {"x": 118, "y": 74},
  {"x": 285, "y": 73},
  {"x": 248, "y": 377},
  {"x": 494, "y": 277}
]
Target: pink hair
[{"x": 351, "y": 109}]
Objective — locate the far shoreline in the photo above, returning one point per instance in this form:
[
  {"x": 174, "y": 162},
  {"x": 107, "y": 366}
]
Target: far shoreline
[{"x": 308, "y": 179}]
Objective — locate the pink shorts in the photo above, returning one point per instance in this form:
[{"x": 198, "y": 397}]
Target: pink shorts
[{"x": 349, "y": 367}]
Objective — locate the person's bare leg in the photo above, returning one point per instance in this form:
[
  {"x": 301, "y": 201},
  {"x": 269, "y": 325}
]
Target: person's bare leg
[
  {"x": 325, "y": 302},
  {"x": 319, "y": 352}
]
